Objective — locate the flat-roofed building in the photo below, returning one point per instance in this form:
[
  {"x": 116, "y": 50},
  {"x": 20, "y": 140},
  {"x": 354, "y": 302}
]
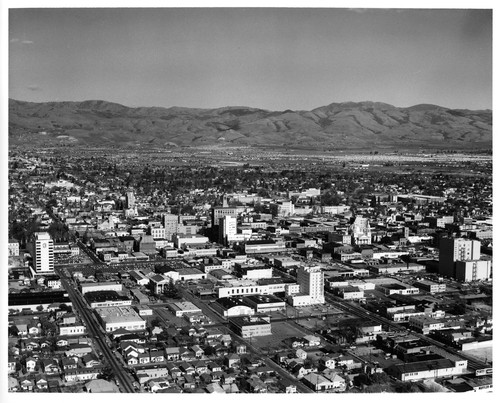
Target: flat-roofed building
[
  {"x": 42, "y": 252},
  {"x": 99, "y": 299},
  {"x": 183, "y": 240},
  {"x": 190, "y": 274},
  {"x": 113, "y": 318},
  {"x": 396, "y": 288},
  {"x": 264, "y": 303},
  {"x": 430, "y": 286},
  {"x": 13, "y": 247},
  {"x": 232, "y": 306},
  {"x": 441, "y": 368},
  {"x": 184, "y": 308},
  {"x": 248, "y": 327},
  {"x": 101, "y": 286}
]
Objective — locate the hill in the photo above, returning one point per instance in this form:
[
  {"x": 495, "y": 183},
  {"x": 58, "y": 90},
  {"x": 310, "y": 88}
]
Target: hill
[{"x": 338, "y": 125}]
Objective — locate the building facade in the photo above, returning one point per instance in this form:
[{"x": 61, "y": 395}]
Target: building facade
[{"x": 43, "y": 253}]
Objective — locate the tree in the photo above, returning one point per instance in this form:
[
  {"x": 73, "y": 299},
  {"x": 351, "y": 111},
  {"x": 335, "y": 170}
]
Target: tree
[
  {"x": 171, "y": 290},
  {"x": 155, "y": 322},
  {"x": 106, "y": 373}
]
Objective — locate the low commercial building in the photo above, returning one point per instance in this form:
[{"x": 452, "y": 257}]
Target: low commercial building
[
  {"x": 394, "y": 268},
  {"x": 101, "y": 286},
  {"x": 100, "y": 299},
  {"x": 248, "y": 305},
  {"x": 113, "y": 318},
  {"x": 249, "y": 287},
  {"x": 351, "y": 293},
  {"x": 71, "y": 329},
  {"x": 248, "y": 327},
  {"x": 184, "y": 240},
  {"x": 425, "y": 324},
  {"x": 143, "y": 310},
  {"x": 232, "y": 306},
  {"x": 264, "y": 303},
  {"x": 268, "y": 246},
  {"x": 139, "y": 277},
  {"x": 396, "y": 288},
  {"x": 184, "y": 308},
  {"x": 190, "y": 274},
  {"x": 414, "y": 371},
  {"x": 430, "y": 286}
]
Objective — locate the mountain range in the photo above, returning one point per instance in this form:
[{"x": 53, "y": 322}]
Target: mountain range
[{"x": 335, "y": 126}]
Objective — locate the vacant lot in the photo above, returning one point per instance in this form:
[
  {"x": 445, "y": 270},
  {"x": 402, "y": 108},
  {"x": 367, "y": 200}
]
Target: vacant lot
[{"x": 281, "y": 331}]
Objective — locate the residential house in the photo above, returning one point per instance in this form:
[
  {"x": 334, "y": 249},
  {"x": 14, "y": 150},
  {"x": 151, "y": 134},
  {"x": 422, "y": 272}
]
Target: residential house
[
  {"x": 185, "y": 354},
  {"x": 187, "y": 368},
  {"x": 173, "y": 370},
  {"x": 214, "y": 367},
  {"x": 282, "y": 356},
  {"x": 50, "y": 366},
  {"x": 230, "y": 388},
  {"x": 189, "y": 381},
  {"x": 206, "y": 378},
  {"x": 62, "y": 343},
  {"x": 228, "y": 378},
  {"x": 254, "y": 385},
  {"x": 200, "y": 367},
  {"x": 144, "y": 358},
  {"x": 172, "y": 353},
  {"x": 11, "y": 365},
  {"x": 131, "y": 360},
  {"x": 232, "y": 360},
  {"x": 217, "y": 376},
  {"x": 81, "y": 374},
  {"x": 157, "y": 356},
  {"x": 90, "y": 360},
  {"x": 158, "y": 384},
  {"x": 215, "y": 388},
  {"x": 318, "y": 382},
  {"x": 327, "y": 362},
  {"x": 285, "y": 386},
  {"x": 264, "y": 371},
  {"x": 312, "y": 340},
  {"x": 27, "y": 384},
  {"x": 41, "y": 382},
  {"x": 31, "y": 364},
  {"x": 339, "y": 383},
  {"x": 198, "y": 351}
]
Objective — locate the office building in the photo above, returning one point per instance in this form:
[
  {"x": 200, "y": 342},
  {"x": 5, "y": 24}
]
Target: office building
[
  {"x": 130, "y": 200},
  {"x": 42, "y": 252},
  {"x": 311, "y": 287},
  {"x": 452, "y": 250},
  {"x": 227, "y": 229}
]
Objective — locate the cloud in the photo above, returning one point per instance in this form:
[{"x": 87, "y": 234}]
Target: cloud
[
  {"x": 34, "y": 87},
  {"x": 27, "y": 42}
]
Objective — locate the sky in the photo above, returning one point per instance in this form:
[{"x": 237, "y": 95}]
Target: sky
[{"x": 273, "y": 58}]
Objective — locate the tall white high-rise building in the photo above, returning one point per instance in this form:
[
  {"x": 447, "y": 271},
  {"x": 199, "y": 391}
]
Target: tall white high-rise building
[
  {"x": 311, "y": 286},
  {"x": 171, "y": 224},
  {"x": 452, "y": 250},
  {"x": 42, "y": 251},
  {"x": 227, "y": 228},
  {"x": 130, "y": 200}
]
